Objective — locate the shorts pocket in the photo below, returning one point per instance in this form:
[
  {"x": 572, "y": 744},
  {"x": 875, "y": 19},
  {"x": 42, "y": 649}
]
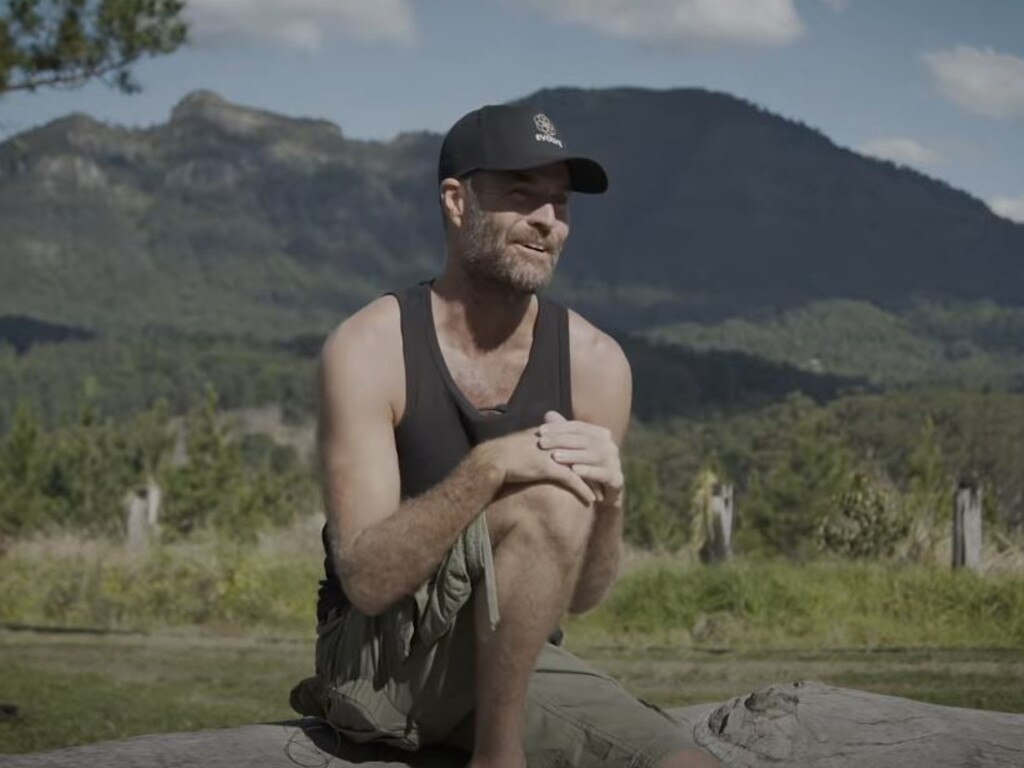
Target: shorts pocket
[{"x": 362, "y": 713}]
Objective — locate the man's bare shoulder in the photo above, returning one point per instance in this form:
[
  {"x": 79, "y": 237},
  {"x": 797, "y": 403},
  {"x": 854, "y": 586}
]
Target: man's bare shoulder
[
  {"x": 602, "y": 383},
  {"x": 378, "y": 322},
  {"x": 594, "y": 351},
  {"x": 364, "y": 352}
]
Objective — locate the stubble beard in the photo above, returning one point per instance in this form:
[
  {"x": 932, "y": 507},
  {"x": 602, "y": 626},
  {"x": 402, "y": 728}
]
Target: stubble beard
[{"x": 488, "y": 258}]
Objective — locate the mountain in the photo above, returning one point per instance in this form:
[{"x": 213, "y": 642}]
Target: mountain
[{"x": 236, "y": 220}]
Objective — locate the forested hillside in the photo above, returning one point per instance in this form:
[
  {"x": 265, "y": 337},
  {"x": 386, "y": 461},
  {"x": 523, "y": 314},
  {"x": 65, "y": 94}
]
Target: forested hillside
[
  {"x": 231, "y": 219},
  {"x": 838, "y": 337}
]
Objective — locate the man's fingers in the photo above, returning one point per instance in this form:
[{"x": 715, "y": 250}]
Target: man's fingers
[
  {"x": 554, "y": 417},
  {"x": 598, "y": 474},
  {"x": 565, "y": 440},
  {"x": 573, "y": 427},
  {"x": 576, "y": 484},
  {"x": 564, "y": 456}
]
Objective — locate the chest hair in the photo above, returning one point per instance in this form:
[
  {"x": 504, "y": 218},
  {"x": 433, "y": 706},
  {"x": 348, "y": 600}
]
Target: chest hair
[{"x": 486, "y": 381}]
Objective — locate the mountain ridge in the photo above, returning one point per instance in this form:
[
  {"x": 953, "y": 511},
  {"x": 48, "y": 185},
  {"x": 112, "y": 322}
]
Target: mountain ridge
[{"x": 232, "y": 218}]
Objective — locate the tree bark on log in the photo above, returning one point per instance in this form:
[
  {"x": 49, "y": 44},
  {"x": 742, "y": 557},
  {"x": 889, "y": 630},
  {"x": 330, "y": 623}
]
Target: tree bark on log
[{"x": 805, "y": 724}]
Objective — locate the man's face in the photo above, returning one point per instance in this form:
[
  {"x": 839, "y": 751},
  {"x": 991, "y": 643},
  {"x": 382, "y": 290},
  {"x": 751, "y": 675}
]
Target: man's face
[{"x": 515, "y": 224}]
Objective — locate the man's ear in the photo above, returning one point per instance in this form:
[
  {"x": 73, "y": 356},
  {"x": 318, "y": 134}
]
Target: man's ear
[{"x": 453, "y": 201}]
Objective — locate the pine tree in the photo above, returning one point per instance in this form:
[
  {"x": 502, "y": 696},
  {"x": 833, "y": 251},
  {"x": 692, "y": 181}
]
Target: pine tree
[{"x": 68, "y": 42}]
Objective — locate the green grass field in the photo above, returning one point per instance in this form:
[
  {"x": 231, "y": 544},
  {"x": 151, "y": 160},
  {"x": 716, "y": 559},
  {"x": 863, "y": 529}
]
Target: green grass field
[
  {"x": 201, "y": 634},
  {"x": 79, "y": 688}
]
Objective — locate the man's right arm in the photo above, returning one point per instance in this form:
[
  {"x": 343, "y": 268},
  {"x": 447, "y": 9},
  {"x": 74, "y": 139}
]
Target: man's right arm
[{"x": 384, "y": 548}]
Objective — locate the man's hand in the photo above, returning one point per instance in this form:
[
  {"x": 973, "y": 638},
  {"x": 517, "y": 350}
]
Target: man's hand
[
  {"x": 521, "y": 459},
  {"x": 588, "y": 450}
]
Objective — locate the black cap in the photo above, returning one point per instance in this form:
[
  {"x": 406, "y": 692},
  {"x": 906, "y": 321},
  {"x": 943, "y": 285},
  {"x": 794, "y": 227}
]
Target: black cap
[{"x": 505, "y": 137}]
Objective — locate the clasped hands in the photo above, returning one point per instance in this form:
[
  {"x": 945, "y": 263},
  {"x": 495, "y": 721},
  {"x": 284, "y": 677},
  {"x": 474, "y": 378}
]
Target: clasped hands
[{"x": 588, "y": 450}]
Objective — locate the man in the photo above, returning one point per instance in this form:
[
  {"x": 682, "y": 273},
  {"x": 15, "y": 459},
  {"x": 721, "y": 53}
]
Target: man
[{"x": 469, "y": 440}]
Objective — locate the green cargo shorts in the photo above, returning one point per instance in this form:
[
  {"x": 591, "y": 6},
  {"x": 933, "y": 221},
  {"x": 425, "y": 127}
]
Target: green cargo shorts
[{"x": 405, "y": 678}]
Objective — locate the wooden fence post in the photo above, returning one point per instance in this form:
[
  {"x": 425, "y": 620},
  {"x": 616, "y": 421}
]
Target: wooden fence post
[
  {"x": 720, "y": 544},
  {"x": 967, "y": 527},
  {"x": 142, "y": 514}
]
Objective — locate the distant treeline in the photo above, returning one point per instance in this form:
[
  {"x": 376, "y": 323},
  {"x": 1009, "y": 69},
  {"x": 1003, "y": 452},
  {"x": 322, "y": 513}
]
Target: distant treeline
[
  {"x": 76, "y": 474},
  {"x": 131, "y": 373},
  {"x": 955, "y": 342},
  {"x": 864, "y": 475},
  {"x": 817, "y": 460}
]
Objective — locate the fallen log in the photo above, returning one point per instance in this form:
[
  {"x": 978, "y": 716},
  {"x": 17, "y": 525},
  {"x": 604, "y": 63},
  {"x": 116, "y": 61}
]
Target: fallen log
[{"x": 805, "y": 724}]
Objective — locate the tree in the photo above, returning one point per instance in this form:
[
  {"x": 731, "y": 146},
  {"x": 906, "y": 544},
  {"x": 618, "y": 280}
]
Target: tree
[
  {"x": 929, "y": 495},
  {"x": 67, "y": 42},
  {"x": 23, "y": 456},
  {"x": 787, "y": 501},
  {"x": 218, "y": 487},
  {"x": 648, "y": 523}
]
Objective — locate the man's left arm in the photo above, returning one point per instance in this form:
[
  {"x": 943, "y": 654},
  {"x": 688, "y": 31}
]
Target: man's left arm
[{"x": 602, "y": 396}]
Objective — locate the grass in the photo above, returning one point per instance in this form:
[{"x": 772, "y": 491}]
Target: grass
[
  {"x": 74, "y": 689},
  {"x": 204, "y": 581},
  {"x": 221, "y": 633},
  {"x": 828, "y": 604},
  {"x": 271, "y": 587},
  {"x": 980, "y": 678}
]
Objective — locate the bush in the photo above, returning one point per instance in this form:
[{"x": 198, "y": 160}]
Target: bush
[{"x": 868, "y": 520}]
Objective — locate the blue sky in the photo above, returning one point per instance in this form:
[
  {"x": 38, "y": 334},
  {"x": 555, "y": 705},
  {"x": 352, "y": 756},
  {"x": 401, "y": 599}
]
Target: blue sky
[{"x": 934, "y": 84}]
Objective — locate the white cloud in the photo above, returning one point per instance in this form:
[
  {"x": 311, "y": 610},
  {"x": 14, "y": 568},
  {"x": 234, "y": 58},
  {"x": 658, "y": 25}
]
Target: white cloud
[
  {"x": 978, "y": 80},
  {"x": 766, "y": 22},
  {"x": 301, "y": 24},
  {"x": 900, "y": 150},
  {"x": 1011, "y": 208}
]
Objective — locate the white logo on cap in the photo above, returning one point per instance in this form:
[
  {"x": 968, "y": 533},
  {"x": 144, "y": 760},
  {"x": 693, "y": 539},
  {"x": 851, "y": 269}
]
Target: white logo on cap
[
  {"x": 544, "y": 124},
  {"x": 546, "y": 128}
]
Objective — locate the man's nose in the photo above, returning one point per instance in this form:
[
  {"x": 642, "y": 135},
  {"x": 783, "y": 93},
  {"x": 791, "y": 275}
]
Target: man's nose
[{"x": 544, "y": 216}]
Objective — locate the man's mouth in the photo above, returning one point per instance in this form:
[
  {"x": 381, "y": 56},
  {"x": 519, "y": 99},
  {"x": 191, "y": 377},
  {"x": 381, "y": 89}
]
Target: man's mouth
[{"x": 534, "y": 247}]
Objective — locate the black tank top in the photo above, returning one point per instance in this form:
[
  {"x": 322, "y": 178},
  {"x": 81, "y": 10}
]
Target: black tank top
[{"x": 440, "y": 426}]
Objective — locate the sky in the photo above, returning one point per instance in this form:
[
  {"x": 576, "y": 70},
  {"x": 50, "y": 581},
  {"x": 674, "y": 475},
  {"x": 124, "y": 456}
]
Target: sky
[{"x": 937, "y": 85}]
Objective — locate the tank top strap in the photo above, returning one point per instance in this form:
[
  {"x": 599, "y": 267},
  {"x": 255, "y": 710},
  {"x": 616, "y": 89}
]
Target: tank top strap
[
  {"x": 551, "y": 375},
  {"x": 415, "y": 317}
]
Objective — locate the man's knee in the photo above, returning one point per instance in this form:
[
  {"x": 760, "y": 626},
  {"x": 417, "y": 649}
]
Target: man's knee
[{"x": 548, "y": 513}]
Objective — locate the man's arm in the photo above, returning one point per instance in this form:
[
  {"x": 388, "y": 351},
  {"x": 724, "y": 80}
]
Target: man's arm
[
  {"x": 384, "y": 548},
  {"x": 381, "y": 549},
  {"x": 602, "y": 391}
]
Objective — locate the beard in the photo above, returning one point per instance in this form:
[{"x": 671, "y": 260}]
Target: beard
[{"x": 489, "y": 258}]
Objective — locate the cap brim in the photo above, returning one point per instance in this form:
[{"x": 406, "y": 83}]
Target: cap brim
[{"x": 587, "y": 176}]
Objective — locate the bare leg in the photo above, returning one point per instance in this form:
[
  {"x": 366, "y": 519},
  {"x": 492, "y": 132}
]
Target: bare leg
[{"x": 540, "y": 534}]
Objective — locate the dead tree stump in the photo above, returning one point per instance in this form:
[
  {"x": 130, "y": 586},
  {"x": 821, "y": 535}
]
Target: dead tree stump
[{"x": 819, "y": 726}]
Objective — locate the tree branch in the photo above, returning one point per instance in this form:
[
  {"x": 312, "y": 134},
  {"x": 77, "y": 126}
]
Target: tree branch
[{"x": 68, "y": 78}]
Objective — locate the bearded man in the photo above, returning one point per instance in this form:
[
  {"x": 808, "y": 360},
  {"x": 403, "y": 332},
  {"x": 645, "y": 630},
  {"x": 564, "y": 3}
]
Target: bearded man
[{"x": 469, "y": 439}]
